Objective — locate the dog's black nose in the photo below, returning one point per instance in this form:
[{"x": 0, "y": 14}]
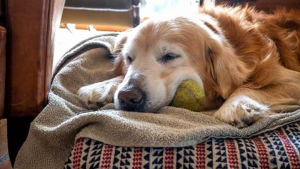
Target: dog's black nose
[{"x": 131, "y": 99}]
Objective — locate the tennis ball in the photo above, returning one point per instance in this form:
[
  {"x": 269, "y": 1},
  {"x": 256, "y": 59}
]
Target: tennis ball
[{"x": 189, "y": 95}]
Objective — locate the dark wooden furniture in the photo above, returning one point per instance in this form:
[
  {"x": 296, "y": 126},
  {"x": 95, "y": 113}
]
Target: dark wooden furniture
[{"x": 30, "y": 26}]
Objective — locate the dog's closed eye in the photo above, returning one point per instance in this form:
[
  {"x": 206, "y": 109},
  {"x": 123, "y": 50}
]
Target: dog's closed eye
[
  {"x": 129, "y": 59},
  {"x": 168, "y": 57}
]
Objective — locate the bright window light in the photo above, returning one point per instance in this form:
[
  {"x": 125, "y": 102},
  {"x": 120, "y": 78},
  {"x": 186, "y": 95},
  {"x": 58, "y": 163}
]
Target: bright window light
[{"x": 150, "y": 8}]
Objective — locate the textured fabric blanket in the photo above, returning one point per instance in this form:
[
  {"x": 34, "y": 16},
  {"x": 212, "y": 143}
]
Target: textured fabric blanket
[{"x": 52, "y": 134}]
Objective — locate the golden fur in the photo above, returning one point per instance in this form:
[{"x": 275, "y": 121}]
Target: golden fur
[{"x": 246, "y": 61}]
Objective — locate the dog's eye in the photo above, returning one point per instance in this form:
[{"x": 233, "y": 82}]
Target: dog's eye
[
  {"x": 169, "y": 56},
  {"x": 129, "y": 59}
]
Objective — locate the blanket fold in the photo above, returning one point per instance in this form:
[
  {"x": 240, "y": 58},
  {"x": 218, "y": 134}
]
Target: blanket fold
[{"x": 67, "y": 117}]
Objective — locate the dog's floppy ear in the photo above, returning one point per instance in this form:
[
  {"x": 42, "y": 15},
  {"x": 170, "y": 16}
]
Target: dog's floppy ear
[
  {"x": 228, "y": 71},
  {"x": 120, "y": 41},
  {"x": 117, "y": 53}
]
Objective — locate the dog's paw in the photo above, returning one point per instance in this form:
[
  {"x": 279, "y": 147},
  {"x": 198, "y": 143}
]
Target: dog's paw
[
  {"x": 98, "y": 94},
  {"x": 241, "y": 112}
]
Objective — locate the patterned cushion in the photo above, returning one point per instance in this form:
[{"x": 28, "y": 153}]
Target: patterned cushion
[{"x": 274, "y": 149}]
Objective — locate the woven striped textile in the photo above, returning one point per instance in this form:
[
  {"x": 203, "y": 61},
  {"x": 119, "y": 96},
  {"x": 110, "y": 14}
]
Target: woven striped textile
[{"x": 275, "y": 149}]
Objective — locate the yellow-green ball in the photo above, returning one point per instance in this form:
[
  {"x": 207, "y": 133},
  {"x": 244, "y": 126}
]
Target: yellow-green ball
[{"x": 189, "y": 95}]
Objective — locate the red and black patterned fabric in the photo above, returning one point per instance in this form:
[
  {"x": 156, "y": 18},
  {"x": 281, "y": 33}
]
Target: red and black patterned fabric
[{"x": 275, "y": 149}]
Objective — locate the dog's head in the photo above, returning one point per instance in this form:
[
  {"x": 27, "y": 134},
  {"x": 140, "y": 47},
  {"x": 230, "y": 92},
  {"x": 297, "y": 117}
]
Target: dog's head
[{"x": 159, "y": 54}]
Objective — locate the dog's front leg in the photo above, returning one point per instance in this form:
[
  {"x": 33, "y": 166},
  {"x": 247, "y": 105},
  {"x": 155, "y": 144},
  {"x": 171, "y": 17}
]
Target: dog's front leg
[
  {"x": 101, "y": 93},
  {"x": 241, "y": 111},
  {"x": 246, "y": 105}
]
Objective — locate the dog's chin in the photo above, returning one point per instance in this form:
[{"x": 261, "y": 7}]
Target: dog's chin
[
  {"x": 143, "y": 109},
  {"x": 147, "y": 108}
]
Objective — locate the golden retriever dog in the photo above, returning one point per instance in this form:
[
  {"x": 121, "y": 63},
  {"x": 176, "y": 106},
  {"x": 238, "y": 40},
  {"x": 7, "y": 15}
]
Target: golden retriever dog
[{"x": 246, "y": 61}]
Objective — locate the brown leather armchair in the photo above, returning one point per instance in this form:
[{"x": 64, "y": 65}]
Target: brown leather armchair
[{"x": 31, "y": 26}]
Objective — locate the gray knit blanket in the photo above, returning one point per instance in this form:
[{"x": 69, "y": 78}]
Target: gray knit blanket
[{"x": 66, "y": 117}]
